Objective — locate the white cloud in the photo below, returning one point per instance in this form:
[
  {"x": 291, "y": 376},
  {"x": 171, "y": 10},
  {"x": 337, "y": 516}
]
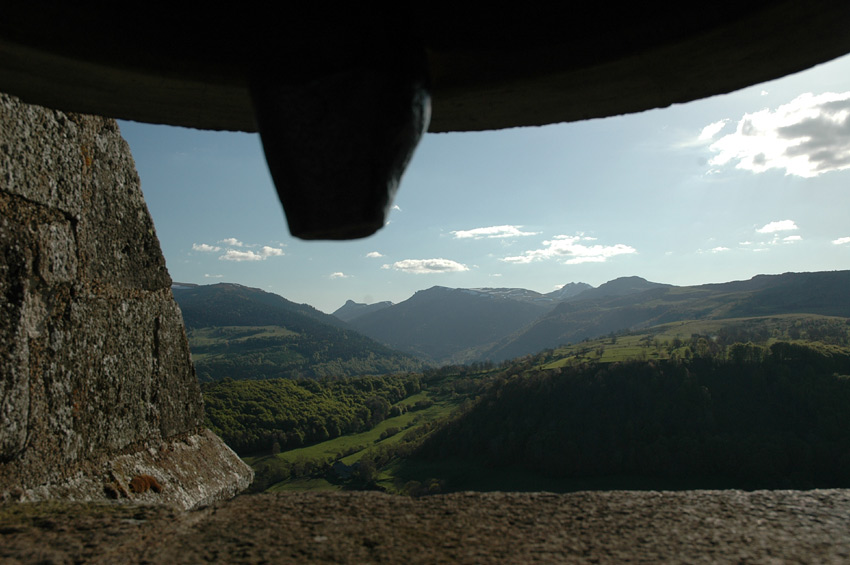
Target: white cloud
[
  {"x": 209, "y": 276},
  {"x": 205, "y": 247},
  {"x": 568, "y": 248},
  {"x": 792, "y": 239},
  {"x": 339, "y": 275},
  {"x": 719, "y": 249},
  {"x": 239, "y": 255},
  {"x": 374, "y": 255},
  {"x": 781, "y": 225},
  {"x": 492, "y": 232},
  {"x": 841, "y": 241},
  {"x": 236, "y": 255},
  {"x": 271, "y": 251},
  {"x": 426, "y": 266},
  {"x": 806, "y": 137},
  {"x": 709, "y": 131}
]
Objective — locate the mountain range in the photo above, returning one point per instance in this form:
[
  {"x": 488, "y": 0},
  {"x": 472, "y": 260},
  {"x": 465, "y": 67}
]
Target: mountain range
[
  {"x": 446, "y": 325},
  {"x": 240, "y": 332}
]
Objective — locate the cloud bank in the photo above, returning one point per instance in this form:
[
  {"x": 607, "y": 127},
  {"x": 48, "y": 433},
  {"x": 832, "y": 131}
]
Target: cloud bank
[
  {"x": 492, "y": 232},
  {"x": 807, "y": 137},
  {"x": 572, "y": 251},
  {"x": 427, "y": 266}
]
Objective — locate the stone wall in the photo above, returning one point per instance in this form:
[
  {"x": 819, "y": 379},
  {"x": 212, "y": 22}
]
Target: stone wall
[{"x": 97, "y": 384}]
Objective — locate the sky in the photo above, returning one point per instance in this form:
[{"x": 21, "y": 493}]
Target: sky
[{"x": 752, "y": 182}]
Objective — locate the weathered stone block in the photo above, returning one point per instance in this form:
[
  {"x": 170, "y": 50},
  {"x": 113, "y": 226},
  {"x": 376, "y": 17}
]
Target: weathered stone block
[{"x": 95, "y": 362}]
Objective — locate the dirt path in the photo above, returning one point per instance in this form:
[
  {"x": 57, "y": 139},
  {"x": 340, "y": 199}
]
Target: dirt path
[{"x": 358, "y": 527}]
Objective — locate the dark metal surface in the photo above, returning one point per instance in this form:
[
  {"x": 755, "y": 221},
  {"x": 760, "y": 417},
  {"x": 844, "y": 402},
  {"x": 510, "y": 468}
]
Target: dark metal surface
[
  {"x": 499, "y": 68},
  {"x": 504, "y": 67}
]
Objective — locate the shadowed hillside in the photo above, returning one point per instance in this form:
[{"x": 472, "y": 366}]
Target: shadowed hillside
[
  {"x": 444, "y": 324},
  {"x": 245, "y": 333}
]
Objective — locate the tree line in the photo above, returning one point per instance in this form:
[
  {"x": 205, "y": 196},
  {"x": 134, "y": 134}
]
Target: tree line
[
  {"x": 757, "y": 417},
  {"x": 272, "y": 415}
]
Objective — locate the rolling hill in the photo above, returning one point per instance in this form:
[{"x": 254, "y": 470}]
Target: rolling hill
[
  {"x": 591, "y": 314},
  {"x": 448, "y": 325},
  {"x": 245, "y": 333}
]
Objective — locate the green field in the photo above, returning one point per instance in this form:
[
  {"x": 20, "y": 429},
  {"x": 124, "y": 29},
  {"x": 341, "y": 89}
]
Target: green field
[
  {"x": 212, "y": 338},
  {"x": 350, "y": 449},
  {"x": 674, "y": 340}
]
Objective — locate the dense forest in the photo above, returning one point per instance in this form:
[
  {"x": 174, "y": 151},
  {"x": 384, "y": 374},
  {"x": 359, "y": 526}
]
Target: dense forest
[
  {"x": 760, "y": 417},
  {"x": 279, "y": 414}
]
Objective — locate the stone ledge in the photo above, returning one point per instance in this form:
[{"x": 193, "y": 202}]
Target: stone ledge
[
  {"x": 362, "y": 527},
  {"x": 190, "y": 472}
]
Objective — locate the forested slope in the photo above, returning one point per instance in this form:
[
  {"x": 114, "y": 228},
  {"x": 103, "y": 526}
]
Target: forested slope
[
  {"x": 757, "y": 417},
  {"x": 245, "y": 333}
]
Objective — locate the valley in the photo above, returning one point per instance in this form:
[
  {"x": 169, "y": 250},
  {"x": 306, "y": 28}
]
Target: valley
[
  {"x": 642, "y": 386},
  {"x": 444, "y": 326}
]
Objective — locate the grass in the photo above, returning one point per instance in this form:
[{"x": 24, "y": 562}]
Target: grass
[
  {"x": 206, "y": 337},
  {"x": 355, "y": 446},
  {"x": 654, "y": 343}
]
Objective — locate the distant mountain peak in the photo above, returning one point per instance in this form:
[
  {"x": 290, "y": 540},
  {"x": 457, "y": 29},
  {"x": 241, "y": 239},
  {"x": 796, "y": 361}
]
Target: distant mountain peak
[
  {"x": 569, "y": 290},
  {"x": 351, "y": 309},
  {"x": 623, "y": 286}
]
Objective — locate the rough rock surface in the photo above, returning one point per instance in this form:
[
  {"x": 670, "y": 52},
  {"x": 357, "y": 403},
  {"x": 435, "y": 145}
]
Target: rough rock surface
[
  {"x": 94, "y": 362},
  {"x": 358, "y": 527}
]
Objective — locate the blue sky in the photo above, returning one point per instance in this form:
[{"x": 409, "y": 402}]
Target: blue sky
[{"x": 752, "y": 182}]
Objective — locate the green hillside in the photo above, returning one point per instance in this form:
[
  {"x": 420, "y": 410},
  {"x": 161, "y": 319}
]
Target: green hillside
[
  {"x": 293, "y": 432},
  {"x": 824, "y": 293},
  {"x": 739, "y": 403},
  {"x": 238, "y": 332},
  {"x": 448, "y": 325}
]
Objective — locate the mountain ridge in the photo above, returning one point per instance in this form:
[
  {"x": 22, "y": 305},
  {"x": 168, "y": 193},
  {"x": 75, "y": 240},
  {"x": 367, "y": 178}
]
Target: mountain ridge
[
  {"x": 241, "y": 332},
  {"x": 440, "y": 323},
  {"x": 352, "y": 309},
  {"x": 459, "y": 325},
  {"x": 826, "y": 292}
]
